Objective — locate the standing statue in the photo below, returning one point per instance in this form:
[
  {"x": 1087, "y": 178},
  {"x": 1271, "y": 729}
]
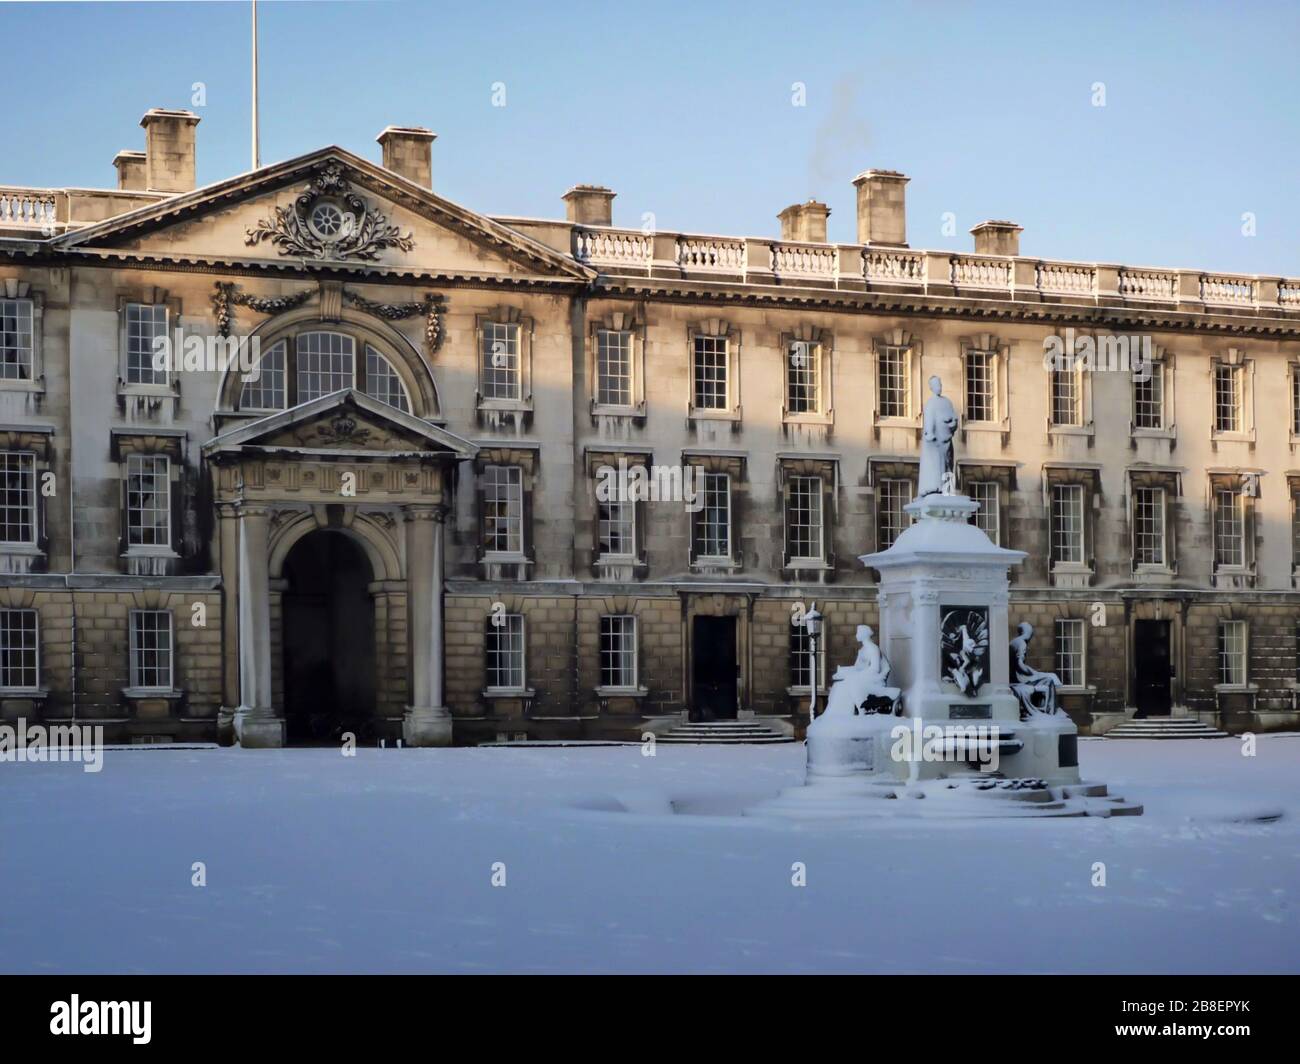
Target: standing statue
[
  {"x": 938, "y": 423},
  {"x": 1036, "y": 690},
  {"x": 863, "y": 687}
]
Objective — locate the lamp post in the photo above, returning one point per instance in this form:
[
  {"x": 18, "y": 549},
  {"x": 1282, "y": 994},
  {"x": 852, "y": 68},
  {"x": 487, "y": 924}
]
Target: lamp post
[{"x": 812, "y": 623}]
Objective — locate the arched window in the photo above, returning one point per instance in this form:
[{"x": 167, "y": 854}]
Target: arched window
[{"x": 317, "y": 363}]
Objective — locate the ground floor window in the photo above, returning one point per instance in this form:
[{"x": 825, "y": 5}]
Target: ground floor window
[
  {"x": 151, "y": 650},
  {"x": 1070, "y": 655},
  {"x": 19, "y": 650},
  {"x": 505, "y": 652},
  {"x": 800, "y": 665},
  {"x": 618, "y": 651},
  {"x": 1232, "y": 653}
]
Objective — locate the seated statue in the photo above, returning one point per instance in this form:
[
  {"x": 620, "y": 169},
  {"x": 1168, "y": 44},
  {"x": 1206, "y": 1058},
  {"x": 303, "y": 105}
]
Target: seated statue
[
  {"x": 863, "y": 687},
  {"x": 1036, "y": 690}
]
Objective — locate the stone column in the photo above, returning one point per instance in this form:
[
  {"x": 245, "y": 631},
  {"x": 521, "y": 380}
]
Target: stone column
[
  {"x": 256, "y": 723},
  {"x": 229, "y": 545},
  {"x": 427, "y": 721}
]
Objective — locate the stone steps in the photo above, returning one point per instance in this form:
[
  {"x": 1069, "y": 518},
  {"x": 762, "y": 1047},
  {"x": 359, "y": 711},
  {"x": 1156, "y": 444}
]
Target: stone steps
[
  {"x": 724, "y": 733},
  {"x": 1165, "y": 728}
]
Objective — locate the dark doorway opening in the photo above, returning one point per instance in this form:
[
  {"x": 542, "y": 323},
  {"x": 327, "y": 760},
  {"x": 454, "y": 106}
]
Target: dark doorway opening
[
  {"x": 329, "y": 641},
  {"x": 713, "y": 655},
  {"x": 1151, "y": 668}
]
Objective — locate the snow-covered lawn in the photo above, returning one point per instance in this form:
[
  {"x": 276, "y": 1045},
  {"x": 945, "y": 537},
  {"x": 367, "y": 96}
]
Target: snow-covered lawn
[{"x": 384, "y": 862}]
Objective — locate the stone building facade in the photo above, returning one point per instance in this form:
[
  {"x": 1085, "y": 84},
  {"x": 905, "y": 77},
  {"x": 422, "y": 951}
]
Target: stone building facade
[{"x": 363, "y": 485}]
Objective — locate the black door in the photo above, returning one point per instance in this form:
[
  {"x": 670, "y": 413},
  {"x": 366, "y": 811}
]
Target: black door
[
  {"x": 1151, "y": 675},
  {"x": 714, "y": 656}
]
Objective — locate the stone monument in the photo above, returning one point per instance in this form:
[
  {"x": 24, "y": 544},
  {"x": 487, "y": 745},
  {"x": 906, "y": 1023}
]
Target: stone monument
[{"x": 965, "y": 718}]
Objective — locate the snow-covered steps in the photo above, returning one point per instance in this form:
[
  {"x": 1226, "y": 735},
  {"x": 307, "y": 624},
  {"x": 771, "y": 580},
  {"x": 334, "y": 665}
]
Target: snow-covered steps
[
  {"x": 1165, "y": 728},
  {"x": 725, "y": 733}
]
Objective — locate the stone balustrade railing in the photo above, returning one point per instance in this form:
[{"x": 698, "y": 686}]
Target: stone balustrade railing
[
  {"x": 613, "y": 247},
  {"x": 1148, "y": 284},
  {"x": 1229, "y": 291},
  {"x": 716, "y": 254},
  {"x": 1066, "y": 278},
  {"x": 893, "y": 267},
  {"x": 805, "y": 260},
  {"x": 970, "y": 272},
  {"x": 28, "y": 208}
]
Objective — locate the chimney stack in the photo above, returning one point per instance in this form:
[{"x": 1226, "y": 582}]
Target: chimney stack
[
  {"x": 589, "y": 205},
  {"x": 882, "y": 207},
  {"x": 997, "y": 238},
  {"x": 408, "y": 151},
  {"x": 805, "y": 222},
  {"x": 169, "y": 150},
  {"x": 131, "y": 170}
]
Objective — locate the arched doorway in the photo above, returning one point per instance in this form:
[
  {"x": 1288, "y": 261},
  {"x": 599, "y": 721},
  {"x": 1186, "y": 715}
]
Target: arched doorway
[{"x": 329, "y": 640}]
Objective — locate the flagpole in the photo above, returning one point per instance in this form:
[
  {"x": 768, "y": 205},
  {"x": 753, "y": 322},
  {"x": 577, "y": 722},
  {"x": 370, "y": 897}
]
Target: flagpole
[{"x": 257, "y": 154}]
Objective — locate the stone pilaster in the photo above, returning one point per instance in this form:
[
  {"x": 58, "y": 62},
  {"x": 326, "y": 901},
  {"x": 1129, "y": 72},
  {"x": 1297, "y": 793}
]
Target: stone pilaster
[
  {"x": 427, "y": 721},
  {"x": 256, "y": 722}
]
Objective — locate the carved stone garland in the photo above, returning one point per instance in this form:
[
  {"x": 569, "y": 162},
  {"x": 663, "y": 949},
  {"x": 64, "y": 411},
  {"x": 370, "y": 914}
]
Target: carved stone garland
[
  {"x": 432, "y": 306},
  {"x": 230, "y": 295},
  {"x": 329, "y": 221}
]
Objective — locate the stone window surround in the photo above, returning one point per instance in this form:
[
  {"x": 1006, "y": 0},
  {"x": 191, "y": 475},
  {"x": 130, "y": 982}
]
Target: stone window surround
[
  {"x": 825, "y": 341},
  {"x": 360, "y": 340},
  {"x": 15, "y": 599},
  {"x": 1074, "y": 574},
  {"x": 147, "y": 296},
  {"x": 826, "y": 467},
  {"x": 1162, "y": 362},
  {"x": 630, "y": 322},
  {"x": 1235, "y": 357},
  {"x": 1084, "y": 688},
  {"x": 1293, "y": 488},
  {"x": 621, "y": 607},
  {"x": 720, "y": 328},
  {"x": 1236, "y": 480},
  {"x": 524, "y": 456},
  {"x": 1248, "y": 687},
  {"x": 169, "y": 444},
  {"x": 13, "y": 289},
  {"x": 823, "y": 686},
  {"x": 734, "y": 465},
  {"x": 505, "y": 315},
  {"x": 914, "y": 348},
  {"x": 524, "y": 691},
  {"x": 1001, "y": 352},
  {"x": 36, "y": 440},
  {"x": 889, "y": 468},
  {"x": 1171, "y": 480},
  {"x": 596, "y": 457}
]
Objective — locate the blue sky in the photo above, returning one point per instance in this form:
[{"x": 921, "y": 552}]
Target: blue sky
[{"x": 685, "y": 109}]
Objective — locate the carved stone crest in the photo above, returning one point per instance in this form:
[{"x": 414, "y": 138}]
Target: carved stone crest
[
  {"x": 342, "y": 430},
  {"x": 329, "y": 221}
]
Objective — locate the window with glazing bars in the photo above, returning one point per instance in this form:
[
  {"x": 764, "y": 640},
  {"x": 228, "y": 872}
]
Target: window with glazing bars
[
  {"x": 1065, "y": 397},
  {"x": 980, "y": 405},
  {"x": 267, "y": 390},
  {"x": 1227, "y": 398},
  {"x": 613, "y": 368},
  {"x": 145, "y": 323},
  {"x": 1149, "y": 526},
  {"x": 617, "y": 528},
  {"x": 802, "y": 378},
  {"x": 892, "y": 381},
  {"x": 503, "y": 509},
  {"x": 500, "y": 370},
  {"x": 800, "y": 666},
  {"x": 17, "y": 497},
  {"x": 987, "y": 517},
  {"x": 1232, "y": 652},
  {"x": 710, "y": 372},
  {"x": 151, "y": 649},
  {"x": 19, "y": 650},
  {"x": 891, "y": 519},
  {"x": 1067, "y": 523},
  {"x": 1149, "y": 399},
  {"x": 505, "y": 652},
  {"x": 326, "y": 363},
  {"x": 713, "y": 519},
  {"x": 803, "y": 519},
  {"x": 1229, "y": 528},
  {"x": 16, "y": 339},
  {"x": 383, "y": 382},
  {"x": 618, "y": 651},
  {"x": 148, "y": 500},
  {"x": 1070, "y": 635}
]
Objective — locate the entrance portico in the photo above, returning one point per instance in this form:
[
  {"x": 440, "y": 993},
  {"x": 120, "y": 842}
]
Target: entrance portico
[{"x": 352, "y": 464}]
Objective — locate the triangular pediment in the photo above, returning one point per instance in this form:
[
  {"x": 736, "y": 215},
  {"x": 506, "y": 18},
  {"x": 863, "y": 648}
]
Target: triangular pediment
[
  {"x": 331, "y": 210},
  {"x": 347, "y": 422}
]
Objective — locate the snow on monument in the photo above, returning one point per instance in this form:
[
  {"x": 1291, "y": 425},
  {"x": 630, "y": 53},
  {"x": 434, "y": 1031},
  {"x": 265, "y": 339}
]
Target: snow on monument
[{"x": 946, "y": 707}]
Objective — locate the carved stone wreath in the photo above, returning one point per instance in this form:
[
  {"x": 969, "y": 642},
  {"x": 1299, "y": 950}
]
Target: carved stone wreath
[
  {"x": 342, "y": 429},
  {"x": 230, "y": 295},
  {"x": 432, "y": 306},
  {"x": 329, "y": 221}
]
